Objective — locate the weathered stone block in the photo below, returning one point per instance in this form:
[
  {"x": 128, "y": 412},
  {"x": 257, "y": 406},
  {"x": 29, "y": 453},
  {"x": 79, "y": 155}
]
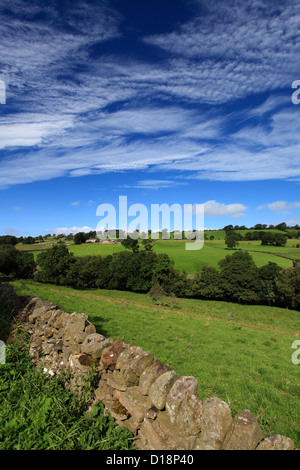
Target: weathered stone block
[
  {"x": 276, "y": 442},
  {"x": 127, "y": 356},
  {"x": 137, "y": 366},
  {"x": 104, "y": 391},
  {"x": 90, "y": 328},
  {"x": 189, "y": 418},
  {"x": 185, "y": 386},
  {"x": 173, "y": 433},
  {"x": 116, "y": 380},
  {"x": 244, "y": 433},
  {"x": 152, "y": 436},
  {"x": 137, "y": 404},
  {"x": 75, "y": 324},
  {"x": 159, "y": 390},
  {"x": 150, "y": 375},
  {"x": 80, "y": 336},
  {"x": 216, "y": 421},
  {"x": 93, "y": 345},
  {"x": 110, "y": 356}
]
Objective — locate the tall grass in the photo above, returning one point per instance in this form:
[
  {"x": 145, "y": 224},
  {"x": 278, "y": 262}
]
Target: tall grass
[
  {"x": 240, "y": 353},
  {"x": 39, "y": 413}
]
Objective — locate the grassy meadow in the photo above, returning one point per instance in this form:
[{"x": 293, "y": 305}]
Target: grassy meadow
[
  {"x": 239, "y": 353},
  {"x": 192, "y": 260}
]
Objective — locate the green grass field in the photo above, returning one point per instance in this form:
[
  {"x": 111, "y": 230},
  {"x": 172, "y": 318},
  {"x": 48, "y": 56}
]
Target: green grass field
[
  {"x": 192, "y": 260},
  {"x": 245, "y": 361}
]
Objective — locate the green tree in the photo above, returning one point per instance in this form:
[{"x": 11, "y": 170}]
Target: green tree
[
  {"x": 26, "y": 265},
  {"x": 269, "y": 274},
  {"x": 16, "y": 263},
  {"x": 274, "y": 239},
  {"x": 131, "y": 244},
  {"x": 8, "y": 240},
  {"x": 232, "y": 239},
  {"x": 29, "y": 241},
  {"x": 8, "y": 259},
  {"x": 208, "y": 284},
  {"x": 80, "y": 238},
  {"x": 84, "y": 273},
  {"x": 148, "y": 244},
  {"x": 240, "y": 278},
  {"x": 288, "y": 288},
  {"x": 54, "y": 265}
]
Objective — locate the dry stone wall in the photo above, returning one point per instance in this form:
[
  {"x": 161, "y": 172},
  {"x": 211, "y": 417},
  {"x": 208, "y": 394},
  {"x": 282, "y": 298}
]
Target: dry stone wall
[{"x": 158, "y": 405}]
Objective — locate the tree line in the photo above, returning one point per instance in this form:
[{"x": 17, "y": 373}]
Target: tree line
[{"x": 237, "y": 278}]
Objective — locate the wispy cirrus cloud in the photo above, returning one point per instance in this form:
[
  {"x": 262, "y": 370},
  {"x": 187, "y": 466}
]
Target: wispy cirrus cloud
[
  {"x": 81, "y": 114},
  {"x": 281, "y": 207},
  {"x": 236, "y": 48},
  {"x": 155, "y": 184}
]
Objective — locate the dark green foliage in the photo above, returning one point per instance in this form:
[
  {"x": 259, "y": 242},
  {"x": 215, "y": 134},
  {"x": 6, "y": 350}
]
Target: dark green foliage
[
  {"x": 268, "y": 275},
  {"x": 131, "y": 244},
  {"x": 208, "y": 284},
  {"x": 232, "y": 239},
  {"x": 8, "y": 240},
  {"x": 54, "y": 264},
  {"x": 8, "y": 259},
  {"x": 274, "y": 239},
  {"x": 148, "y": 244},
  {"x": 28, "y": 241},
  {"x": 82, "y": 237},
  {"x": 26, "y": 265},
  {"x": 79, "y": 238},
  {"x": 238, "y": 278},
  {"x": 288, "y": 288},
  {"x": 16, "y": 263},
  {"x": 83, "y": 273}
]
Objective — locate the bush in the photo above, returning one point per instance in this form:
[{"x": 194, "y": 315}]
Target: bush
[
  {"x": 16, "y": 263},
  {"x": 288, "y": 288},
  {"x": 54, "y": 264}
]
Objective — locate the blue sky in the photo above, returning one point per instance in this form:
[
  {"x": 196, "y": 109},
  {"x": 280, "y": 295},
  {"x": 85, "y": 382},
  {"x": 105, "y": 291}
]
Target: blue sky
[{"x": 182, "y": 101}]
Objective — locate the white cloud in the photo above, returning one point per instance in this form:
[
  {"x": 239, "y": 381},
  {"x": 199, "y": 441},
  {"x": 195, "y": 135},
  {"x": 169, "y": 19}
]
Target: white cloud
[
  {"x": 225, "y": 54},
  {"x": 243, "y": 48},
  {"x": 280, "y": 206},
  {"x": 215, "y": 208},
  {"x": 155, "y": 184},
  {"x": 26, "y": 130},
  {"x": 12, "y": 231},
  {"x": 75, "y": 203}
]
